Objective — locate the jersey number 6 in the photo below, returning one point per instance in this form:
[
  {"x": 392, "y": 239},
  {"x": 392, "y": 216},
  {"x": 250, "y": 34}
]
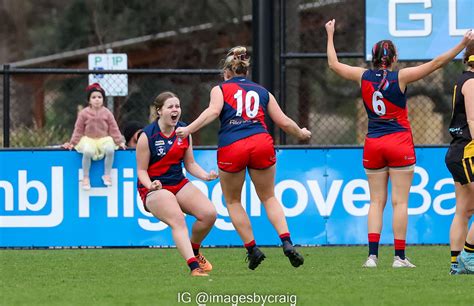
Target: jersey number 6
[
  {"x": 249, "y": 111},
  {"x": 377, "y": 103}
]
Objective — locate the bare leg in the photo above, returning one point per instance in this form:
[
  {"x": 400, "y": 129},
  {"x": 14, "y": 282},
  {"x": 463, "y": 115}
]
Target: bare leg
[
  {"x": 378, "y": 199},
  {"x": 470, "y": 235},
  {"x": 164, "y": 206},
  {"x": 193, "y": 202},
  {"x": 401, "y": 183},
  {"x": 231, "y": 184},
  {"x": 265, "y": 187},
  {"x": 464, "y": 211}
]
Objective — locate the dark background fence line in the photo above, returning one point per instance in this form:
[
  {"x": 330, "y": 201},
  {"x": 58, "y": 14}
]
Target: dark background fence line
[
  {"x": 57, "y": 95},
  {"x": 329, "y": 106},
  {"x": 43, "y": 103}
]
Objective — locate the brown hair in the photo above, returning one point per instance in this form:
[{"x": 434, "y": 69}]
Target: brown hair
[
  {"x": 161, "y": 99},
  {"x": 237, "y": 61},
  {"x": 383, "y": 53},
  {"x": 469, "y": 52}
]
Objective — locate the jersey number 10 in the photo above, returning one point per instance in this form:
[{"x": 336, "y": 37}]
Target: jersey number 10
[
  {"x": 377, "y": 103},
  {"x": 250, "y": 111}
]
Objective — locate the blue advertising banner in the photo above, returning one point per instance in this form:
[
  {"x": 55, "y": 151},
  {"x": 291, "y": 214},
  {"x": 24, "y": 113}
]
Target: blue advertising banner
[
  {"x": 420, "y": 29},
  {"x": 324, "y": 193}
]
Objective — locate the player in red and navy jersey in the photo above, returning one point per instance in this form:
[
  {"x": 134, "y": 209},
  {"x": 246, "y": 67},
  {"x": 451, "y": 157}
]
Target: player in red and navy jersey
[
  {"x": 388, "y": 148},
  {"x": 164, "y": 189},
  {"x": 460, "y": 162},
  {"x": 244, "y": 143}
]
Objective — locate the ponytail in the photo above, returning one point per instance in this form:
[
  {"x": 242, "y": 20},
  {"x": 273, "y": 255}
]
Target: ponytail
[
  {"x": 237, "y": 61},
  {"x": 383, "y": 54}
]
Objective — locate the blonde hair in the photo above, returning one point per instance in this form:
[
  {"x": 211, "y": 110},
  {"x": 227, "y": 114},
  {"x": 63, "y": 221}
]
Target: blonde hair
[{"x": 237, "y": 61}]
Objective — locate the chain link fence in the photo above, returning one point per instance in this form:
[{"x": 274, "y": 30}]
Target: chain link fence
[
  {"x": 44, "y": 106},
  {"x": 330, "y": 106}
]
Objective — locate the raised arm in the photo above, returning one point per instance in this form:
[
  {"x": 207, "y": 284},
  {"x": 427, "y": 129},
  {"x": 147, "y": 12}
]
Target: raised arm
[
  {"x": 412, "y": 74},
  {"x": 194, "y": 168},
  {"x": 468, "y": 92},
  {"x": 346, "y": 71},
  {"x": 284, "y": 122},
  {"x": 207, "y": 116}
]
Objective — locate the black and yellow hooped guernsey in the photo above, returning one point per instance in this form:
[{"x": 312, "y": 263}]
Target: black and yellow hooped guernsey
[{"x": 460, "y": 156}]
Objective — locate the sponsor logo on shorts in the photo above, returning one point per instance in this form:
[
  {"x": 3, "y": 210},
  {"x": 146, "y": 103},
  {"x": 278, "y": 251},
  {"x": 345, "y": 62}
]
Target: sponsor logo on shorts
[{"x": 225, "y": 163}]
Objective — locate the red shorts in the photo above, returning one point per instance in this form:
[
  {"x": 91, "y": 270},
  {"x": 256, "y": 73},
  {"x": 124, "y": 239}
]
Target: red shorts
[
  {"x": 174, "y": 189},
  {"x": 255, "y": 152},
  {"x": 392, "y": 150}
]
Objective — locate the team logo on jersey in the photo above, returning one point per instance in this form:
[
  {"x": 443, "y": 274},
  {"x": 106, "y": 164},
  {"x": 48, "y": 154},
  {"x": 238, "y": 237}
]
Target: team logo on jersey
[{"x": 160, "y": 151}]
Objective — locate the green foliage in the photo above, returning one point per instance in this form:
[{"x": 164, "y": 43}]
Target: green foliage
[
  {"x": 25, "y": 137},
  {"x": 329, "y": 276},
  {"x": 66, "y": 96},
  {"x": 83, "y": 24}
]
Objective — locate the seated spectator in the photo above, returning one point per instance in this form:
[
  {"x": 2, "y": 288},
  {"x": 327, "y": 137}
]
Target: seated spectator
[
  {"x": 131, "y": 132},
  {"x": 96, "y": 135}
]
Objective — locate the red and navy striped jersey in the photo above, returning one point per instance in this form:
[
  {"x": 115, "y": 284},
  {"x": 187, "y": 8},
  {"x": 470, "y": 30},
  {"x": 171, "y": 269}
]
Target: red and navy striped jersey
[
  {"x": 386, "y": 107},
  {"x": 166, "y": 155},
  {"x": 243, "y": 113}
]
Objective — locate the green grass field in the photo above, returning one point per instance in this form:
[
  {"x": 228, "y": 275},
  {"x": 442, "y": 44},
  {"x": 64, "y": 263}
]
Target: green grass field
[{"x": 330, "y": 276}]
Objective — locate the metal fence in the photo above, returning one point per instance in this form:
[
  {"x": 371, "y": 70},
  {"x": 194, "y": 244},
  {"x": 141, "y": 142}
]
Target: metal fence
[
  {"x": 330, "y": 106},
  {"x": 43, "y": 103}
]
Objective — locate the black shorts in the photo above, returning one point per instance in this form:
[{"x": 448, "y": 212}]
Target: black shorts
[{"x": 460, "y": 161}]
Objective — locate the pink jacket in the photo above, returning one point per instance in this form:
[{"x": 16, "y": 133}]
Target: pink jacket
[{"x": 96, "y": 124}]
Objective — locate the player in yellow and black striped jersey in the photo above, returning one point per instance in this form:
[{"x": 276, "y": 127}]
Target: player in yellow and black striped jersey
[
  {"x": 460, "y": 162},
  {"x": 460, "y": 156}
]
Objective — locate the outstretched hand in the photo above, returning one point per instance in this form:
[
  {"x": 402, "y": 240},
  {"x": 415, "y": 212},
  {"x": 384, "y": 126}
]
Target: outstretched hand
[
  {"x": 182, "y": 132},
  {"x": 330, "y": 26}
]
